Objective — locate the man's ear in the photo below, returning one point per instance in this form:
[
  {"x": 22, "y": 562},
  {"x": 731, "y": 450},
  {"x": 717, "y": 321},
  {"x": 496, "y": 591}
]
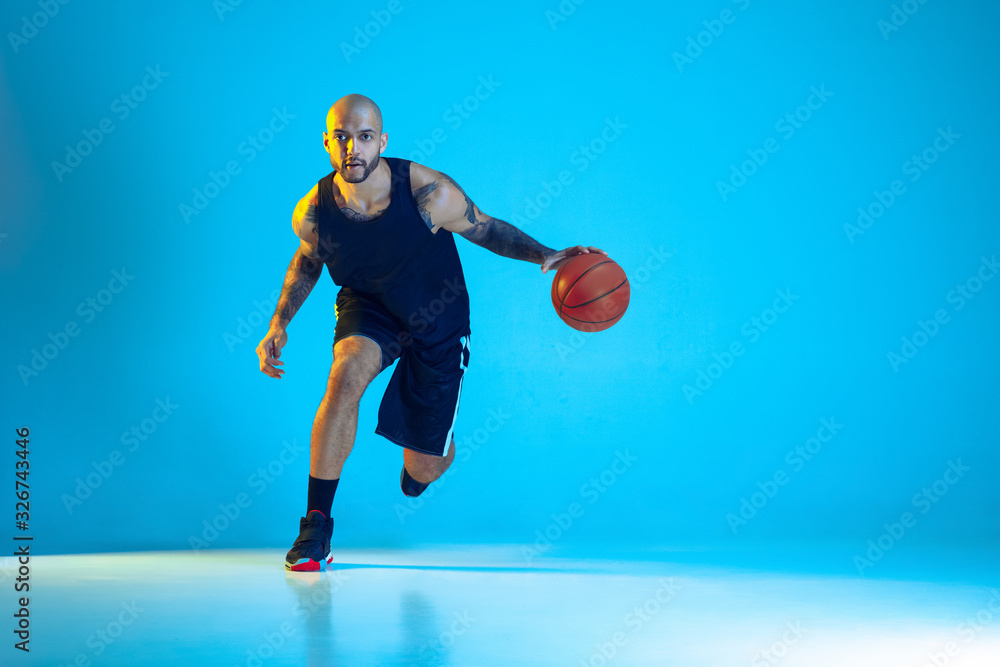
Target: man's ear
[{"x": 384, "y": 143}]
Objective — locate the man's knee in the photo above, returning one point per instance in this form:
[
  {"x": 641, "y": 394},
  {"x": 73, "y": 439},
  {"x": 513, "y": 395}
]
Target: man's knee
[
  {"x": 428, "y": 467},
  {"x": 357, "y": 360}
]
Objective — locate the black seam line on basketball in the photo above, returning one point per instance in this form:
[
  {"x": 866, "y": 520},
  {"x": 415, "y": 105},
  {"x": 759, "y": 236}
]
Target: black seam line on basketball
[
  {"x": 594, "y": 322},
  {"x": 562, "y": 299},
  {"x": 579, "y": 305}
]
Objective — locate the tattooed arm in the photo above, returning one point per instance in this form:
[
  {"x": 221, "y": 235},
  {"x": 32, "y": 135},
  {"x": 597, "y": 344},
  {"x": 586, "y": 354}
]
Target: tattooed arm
[
  {"x": 443, "y": 204},
  {"x": 306, "y": 267},
  {"x": 303, "y": 272}
]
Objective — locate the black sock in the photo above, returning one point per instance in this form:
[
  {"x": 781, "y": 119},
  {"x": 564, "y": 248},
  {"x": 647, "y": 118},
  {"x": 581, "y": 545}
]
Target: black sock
[
  {"x": 321, "y": 493},
  {"x": 412, "y": 487}
]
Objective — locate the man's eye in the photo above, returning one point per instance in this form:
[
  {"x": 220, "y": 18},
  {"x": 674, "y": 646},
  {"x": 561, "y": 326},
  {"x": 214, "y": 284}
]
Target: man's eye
[{"x": 367, "y": 136}]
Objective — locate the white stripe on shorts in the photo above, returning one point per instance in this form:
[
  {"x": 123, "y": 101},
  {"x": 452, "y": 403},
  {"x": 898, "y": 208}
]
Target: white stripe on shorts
[{"x": 466, "y": 344}]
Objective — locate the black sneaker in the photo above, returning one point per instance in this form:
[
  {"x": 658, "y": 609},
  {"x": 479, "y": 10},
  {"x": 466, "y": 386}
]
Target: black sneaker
[
  {"x": 311, "y": 550},
  {"x": 413, "y": 485}
]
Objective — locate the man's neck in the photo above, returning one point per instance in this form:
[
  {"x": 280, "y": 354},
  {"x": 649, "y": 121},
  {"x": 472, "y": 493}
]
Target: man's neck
[{"x": 372, "y": 189}]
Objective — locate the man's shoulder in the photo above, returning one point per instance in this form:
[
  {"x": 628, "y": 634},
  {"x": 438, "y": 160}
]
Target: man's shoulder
[
  {"x": 421, "y": 176},
  {"x": 311, "y": 198},
  {"x": 436, "y": 187}
]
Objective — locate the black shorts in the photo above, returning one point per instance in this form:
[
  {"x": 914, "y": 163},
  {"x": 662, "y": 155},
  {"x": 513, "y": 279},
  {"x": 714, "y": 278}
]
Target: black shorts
[{"x": 420, "y": 406}]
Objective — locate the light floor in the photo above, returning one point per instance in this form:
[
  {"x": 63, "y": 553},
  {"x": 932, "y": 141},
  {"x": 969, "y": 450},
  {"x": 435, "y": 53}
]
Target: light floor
[{"x": 488, "y": 606}]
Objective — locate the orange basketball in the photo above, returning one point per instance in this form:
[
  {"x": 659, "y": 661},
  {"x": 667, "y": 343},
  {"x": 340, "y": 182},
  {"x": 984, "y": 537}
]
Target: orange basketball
[{"x": 590, "y": 292}]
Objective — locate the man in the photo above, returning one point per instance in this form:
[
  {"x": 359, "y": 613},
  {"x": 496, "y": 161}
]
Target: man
[{"x": 383, "y": 227}]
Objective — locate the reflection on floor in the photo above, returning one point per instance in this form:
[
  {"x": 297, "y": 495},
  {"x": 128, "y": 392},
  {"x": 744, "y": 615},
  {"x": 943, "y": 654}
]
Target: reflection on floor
[{"x": 490, "y": 605}]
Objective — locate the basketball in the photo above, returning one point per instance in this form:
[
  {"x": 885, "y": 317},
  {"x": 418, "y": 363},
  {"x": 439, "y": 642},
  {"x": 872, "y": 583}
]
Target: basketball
[{"x": 590, "y": 292}]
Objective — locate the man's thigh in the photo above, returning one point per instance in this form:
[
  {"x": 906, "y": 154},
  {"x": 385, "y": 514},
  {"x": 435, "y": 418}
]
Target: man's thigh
[{"x": 359, "y": 314}]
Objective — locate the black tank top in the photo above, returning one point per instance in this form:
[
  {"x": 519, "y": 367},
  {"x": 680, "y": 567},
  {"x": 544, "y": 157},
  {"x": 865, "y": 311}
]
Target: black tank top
[{"x": 415, "y": 274}]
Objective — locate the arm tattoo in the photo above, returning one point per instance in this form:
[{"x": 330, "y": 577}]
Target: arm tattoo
[
  {"x": 310, "y": 221},
  {"x": 325, "y": 247},
  {"x": 421, "y": 196},
  {"x": 302, "y": 275},
  {"x": 470, "y": 212},
  {"x": 299, "y": 281},
  {"x": 507, "y": 240},
  {"x": 501, "y": 237}
]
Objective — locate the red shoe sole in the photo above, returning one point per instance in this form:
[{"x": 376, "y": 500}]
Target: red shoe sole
[{"x": 309, "y": 565}]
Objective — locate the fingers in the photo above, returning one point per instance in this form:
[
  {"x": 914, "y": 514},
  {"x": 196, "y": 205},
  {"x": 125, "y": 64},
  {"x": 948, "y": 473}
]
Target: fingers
[
  {"x": 588, "y": 249},
  {"x": 268, "y": 362},
  {"x": 267, "y": 367},
  {"x": 557, "y": 259}
]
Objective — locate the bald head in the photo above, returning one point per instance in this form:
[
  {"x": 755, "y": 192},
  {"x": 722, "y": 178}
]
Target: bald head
[
  {"x": 354, "y": 110},
  {"x": 354, "y": 137}
]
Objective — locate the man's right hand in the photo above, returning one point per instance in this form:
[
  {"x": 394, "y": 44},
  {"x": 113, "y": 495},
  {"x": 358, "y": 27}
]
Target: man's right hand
[{"x": 269, "y": 350}]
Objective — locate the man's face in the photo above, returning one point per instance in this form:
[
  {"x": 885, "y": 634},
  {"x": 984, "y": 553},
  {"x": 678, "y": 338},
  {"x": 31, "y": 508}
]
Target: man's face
[{"x": 354, "y": 142}]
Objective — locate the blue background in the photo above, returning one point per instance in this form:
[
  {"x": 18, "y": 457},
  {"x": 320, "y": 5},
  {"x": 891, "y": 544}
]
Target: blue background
[{"x": 701, "y": 266}]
